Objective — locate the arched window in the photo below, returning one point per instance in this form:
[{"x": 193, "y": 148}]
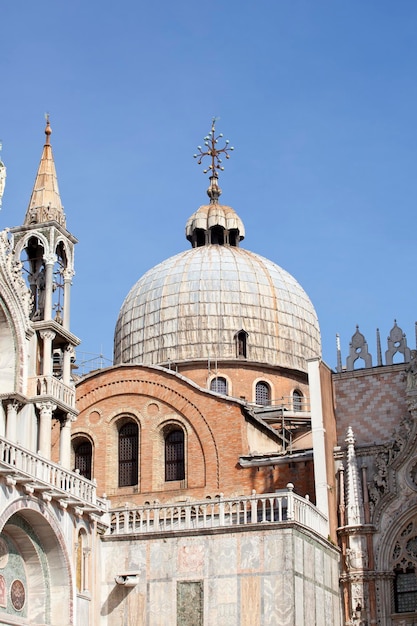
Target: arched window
[
  {"x": 263, "y": 393},
  {"x": 219, "y": 384},
  {"x": 405, "y": 590},
  {"x": 241, "y": 344},
  {"x": 297, "y": 400},
  {"x": 83, "y": 456},
  {"x": 217, "y": 235},
  {"x": 174, "y": 455},
  {"x": 128, "y": 454}
]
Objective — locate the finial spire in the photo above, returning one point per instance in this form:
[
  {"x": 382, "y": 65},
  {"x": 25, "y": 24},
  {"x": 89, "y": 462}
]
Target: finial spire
[
  {"x": 211, "y": 150},
  {"x": 2, "y": 176},
  {"x": 48, "y": 129},
  {"x": 45, "y": 202}
]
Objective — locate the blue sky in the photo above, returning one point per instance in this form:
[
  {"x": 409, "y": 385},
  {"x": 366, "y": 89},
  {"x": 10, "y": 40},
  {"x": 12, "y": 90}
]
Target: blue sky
[{"x": 319, "y": 98}]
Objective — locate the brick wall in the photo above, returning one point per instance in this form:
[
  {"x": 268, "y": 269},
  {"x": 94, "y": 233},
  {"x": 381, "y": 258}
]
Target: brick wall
[
  {"x": 372, "y": 401},
  {"x": 215, "y": 429}
]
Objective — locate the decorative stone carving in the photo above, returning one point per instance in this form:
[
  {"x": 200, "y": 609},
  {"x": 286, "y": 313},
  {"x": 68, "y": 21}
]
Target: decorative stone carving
[
  {"x": 18, "y": 594},
  {"x": 358, "y": 349},
  {"x": 381, "y": 484},
  {"x": 12, "y": 270},
  {"x": 410, "y": 374},
  {"x": 404, "y": 554},
  {"x": 396, "y": 343}
]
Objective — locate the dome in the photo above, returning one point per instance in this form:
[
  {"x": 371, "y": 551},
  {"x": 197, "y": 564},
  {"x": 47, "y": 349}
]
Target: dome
[
  {"x": 193, "y": 305},
  {"x": 217, "y": 301}
]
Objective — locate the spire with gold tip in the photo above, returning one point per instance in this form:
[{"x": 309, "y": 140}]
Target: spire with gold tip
[
  {"x": 45, "y": 202},
  {"x": 2, "y": 177},
  {"x": 210, "y": 143}
]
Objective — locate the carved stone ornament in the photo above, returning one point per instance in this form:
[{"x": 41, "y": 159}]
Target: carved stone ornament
[
  {"x": 18, "y": 594},
  {"x": 410, "y": 374},
  {"x": 380, "y": 484},
  {"x": 404, "y": 554},
  {"x": 12, "y": 270}
]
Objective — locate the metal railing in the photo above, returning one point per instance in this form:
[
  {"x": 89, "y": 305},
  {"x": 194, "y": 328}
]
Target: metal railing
[
  {"x": 219, "y": 512},
  {"x": 296, "y": 404}
]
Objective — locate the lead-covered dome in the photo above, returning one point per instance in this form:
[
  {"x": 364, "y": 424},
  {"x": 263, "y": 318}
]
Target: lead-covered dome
[
  {"x": 194, "y": 305},
  {"x": 217, "y": 301}
]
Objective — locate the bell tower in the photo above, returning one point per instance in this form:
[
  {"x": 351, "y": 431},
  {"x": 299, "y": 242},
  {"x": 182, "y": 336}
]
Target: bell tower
[{"x": 43, "y": 248}]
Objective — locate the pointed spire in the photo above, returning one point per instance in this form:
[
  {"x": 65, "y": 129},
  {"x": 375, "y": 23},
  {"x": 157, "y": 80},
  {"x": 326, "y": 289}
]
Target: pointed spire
[
  {"x": 354, "y": 497},
  {"x": 2, "y": 177},
  {"x": 45, "y": 203},
  {"x": 378, "y": 347},
  {"x": 339, "y": 354}
]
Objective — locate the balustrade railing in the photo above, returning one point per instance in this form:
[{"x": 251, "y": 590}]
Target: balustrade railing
[
  {"x": 219, "y": 512},
  {"x": 53, "y": 387},
  {"x": 48, "y": 475}
]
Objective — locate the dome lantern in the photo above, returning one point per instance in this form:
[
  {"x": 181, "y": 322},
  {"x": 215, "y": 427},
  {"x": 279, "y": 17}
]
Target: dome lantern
[{"x": 214, "y": 223}]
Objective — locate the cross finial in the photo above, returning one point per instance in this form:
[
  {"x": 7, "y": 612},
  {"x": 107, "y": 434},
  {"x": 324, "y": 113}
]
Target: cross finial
[{"x": 211, "y": 150}]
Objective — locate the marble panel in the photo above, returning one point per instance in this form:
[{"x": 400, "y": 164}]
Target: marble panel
[
  {"x": 250, "y": 601},
  {"x": 223, "y": 556},
  {"x": 278, "y": 597},
  {"x": 318, "y": 565},
  {"x": 299, "y": 600},
  {"x": 309, "y": 598},
  {"x": 161, "y": 603},
  {"x": 278, "y": 552},
  {"x": 162, "y": 560},
  {"x": 298, "y": 554},
  {"x": 319, "y": 602},
  {"x": 190, "y": 558},
  {"x": 250, "y": 552},
  {"x": 308, "y": 560},
  {"x": 190, "y": 603}
]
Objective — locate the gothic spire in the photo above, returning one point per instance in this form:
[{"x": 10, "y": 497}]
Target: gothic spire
[{"x": 45, "y": 203}]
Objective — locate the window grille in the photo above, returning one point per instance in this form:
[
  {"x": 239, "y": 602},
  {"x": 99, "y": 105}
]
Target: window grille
[
  {"x": 405, "y": 591},
  {"x": 219, "y": 385},
  {"x": 297, "y": 400},
  {"x": 83, "y": 456},
  {"x": 174, "y": 456},
  {"x": 128, "y": 455},
  {"x": 263, "y": 393}
]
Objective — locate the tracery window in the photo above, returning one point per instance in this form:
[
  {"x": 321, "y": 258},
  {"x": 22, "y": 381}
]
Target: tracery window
[
  {"x": 404, "y": 559},
  {"x": 174, "y": 455},
  {"x": 297, "y": 400},
  {"x": 83, "y": 457},
  {"x": 128, "y": 454},
  {"x": 219, "y": 384},
  {"x": 263, "y": 393}
]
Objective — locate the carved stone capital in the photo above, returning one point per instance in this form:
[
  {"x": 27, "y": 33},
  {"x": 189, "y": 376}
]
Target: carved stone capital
[
  {"x": 68, "y": 274},
  {"x": 46, "y": 408},
  {"x": 50, "y": 258},
  {"x": 47, "y": 334}
]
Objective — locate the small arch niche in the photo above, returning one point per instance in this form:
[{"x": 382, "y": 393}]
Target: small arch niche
[
  {"x": 241, "y": 341},
  {"x": 217, "y": 235}
]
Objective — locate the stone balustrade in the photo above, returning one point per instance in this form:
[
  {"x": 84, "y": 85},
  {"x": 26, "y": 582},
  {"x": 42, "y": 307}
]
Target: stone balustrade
[
  {"x": 281, "y": 506},
  {"x": 52, "y": 387},
  {"x": 40, "y": 474}
]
